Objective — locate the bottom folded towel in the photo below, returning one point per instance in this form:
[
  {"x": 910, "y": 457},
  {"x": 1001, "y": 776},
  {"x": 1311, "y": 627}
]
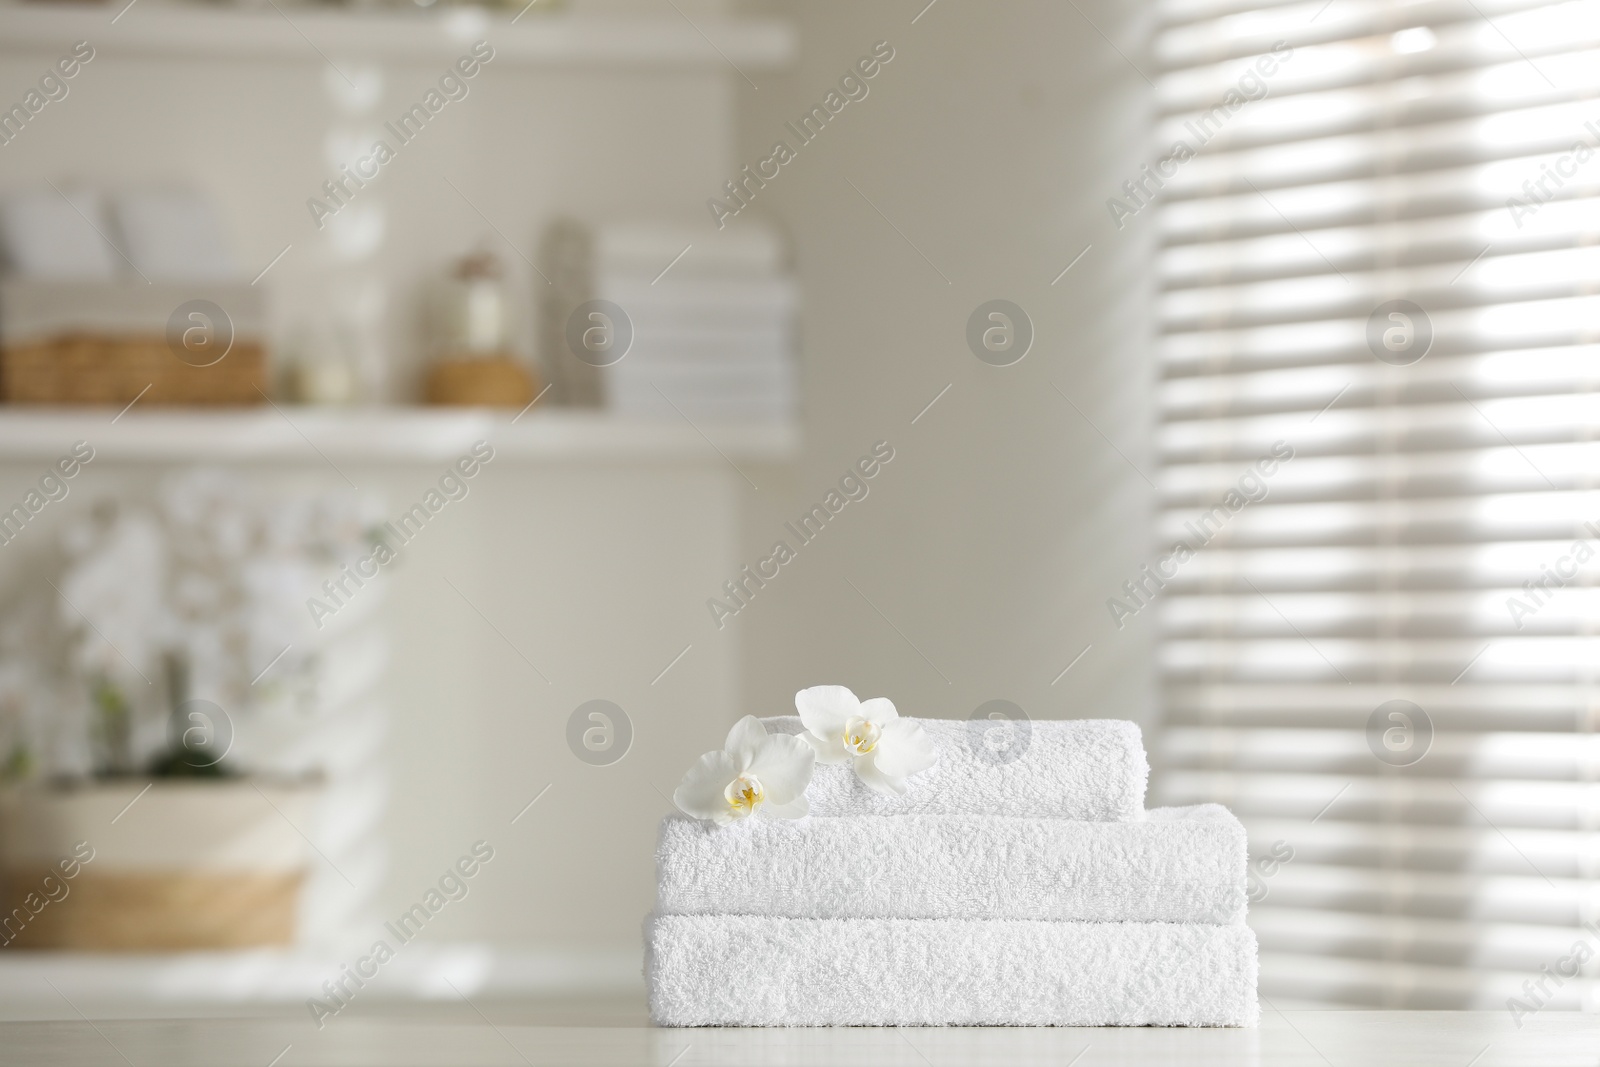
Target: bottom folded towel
[{"x": 735, "y": 970}]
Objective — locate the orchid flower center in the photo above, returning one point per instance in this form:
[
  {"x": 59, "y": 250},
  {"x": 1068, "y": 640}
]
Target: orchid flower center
[
  {"x": 861, "y": 736},
  {"x": 744, "y": 795}
]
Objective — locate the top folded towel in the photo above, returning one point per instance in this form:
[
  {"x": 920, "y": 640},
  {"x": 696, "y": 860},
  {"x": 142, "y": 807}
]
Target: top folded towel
[{"x": 1064, "y": 769}]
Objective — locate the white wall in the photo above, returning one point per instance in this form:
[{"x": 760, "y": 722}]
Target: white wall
[{"x": 992, "y": 140}]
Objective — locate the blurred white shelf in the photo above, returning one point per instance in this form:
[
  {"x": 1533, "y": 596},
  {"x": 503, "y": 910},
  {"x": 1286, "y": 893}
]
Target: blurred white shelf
[
  {"x": 288, "y": 434},
  {"x": 128, "y": 985},
  {"x": 151, "y": 28}
]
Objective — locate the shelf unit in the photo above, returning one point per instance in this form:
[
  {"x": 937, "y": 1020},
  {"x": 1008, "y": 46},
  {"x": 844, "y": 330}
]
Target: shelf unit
[
  {"x": 151, "y": 29},
  {"x": 692, "y": 546},
  {"x": 286, "y": 434}
]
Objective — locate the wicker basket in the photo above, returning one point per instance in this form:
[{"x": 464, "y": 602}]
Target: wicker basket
[
  {"x": 94, "y": 369},
  {"x": 190, "y": 864},
  {"x": 154, "y": 912},
  {"x": 480, "y": 382}
]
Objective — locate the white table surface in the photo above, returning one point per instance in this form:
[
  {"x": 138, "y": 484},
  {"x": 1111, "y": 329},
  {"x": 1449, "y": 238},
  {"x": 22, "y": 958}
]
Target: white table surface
[{"x": 501, "y": 1035}]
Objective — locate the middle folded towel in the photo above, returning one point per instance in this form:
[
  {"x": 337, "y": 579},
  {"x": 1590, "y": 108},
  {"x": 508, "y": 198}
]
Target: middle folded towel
[{"x": 1180, "y": 865}]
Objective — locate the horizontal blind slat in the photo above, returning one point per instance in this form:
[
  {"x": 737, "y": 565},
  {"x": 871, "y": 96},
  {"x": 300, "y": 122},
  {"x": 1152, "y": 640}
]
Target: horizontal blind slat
[
  {"x": 1254, "y": 31},
  {"x": 1442, "y": 942},
  {"x": 1419, "y": 801},
  {"x": 1456, "y": 61},
  {"x": 1402, "y": 986},
  {"x": 1483, "y": 755}
]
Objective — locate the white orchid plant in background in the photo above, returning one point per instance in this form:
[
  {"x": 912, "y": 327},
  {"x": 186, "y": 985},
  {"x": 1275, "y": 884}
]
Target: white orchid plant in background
[
  {"x": 768, "y": 773},
  {"x": 152, "y": 598}
]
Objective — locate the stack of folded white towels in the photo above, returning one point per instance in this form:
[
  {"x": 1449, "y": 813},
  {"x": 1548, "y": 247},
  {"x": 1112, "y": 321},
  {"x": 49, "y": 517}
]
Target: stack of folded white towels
[
  {"x": 1027, "y": 891},
  {"x": 713, "y": 319}
]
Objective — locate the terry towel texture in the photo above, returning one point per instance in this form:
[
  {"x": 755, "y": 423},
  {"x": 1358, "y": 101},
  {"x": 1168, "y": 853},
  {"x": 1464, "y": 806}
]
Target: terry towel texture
[
  {"x": 1062, "y": 769},
  {"x": 708, "y": 970},
  {"x": 1175, "y": 865}
]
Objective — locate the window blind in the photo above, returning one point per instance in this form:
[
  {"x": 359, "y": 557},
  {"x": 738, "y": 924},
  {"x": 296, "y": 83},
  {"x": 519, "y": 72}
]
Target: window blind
[{"x": 1435, "y": 538}]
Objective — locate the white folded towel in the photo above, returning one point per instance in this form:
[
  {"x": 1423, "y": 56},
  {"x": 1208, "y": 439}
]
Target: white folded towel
[
  {"x": 1175, "y": 865},
  {"x": 1057, "y": 768},
  {"x": 730, "y": 970}
]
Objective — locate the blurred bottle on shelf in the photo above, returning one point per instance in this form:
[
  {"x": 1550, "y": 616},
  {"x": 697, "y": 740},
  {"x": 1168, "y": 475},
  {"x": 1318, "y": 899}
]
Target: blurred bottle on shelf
[
  {"x": 474, "y": 365},
  {"x": 320, "y": 368}
]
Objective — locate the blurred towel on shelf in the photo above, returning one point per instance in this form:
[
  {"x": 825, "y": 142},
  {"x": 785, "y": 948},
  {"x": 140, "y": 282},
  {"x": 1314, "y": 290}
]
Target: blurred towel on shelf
[
  {"x": 151, "y": 236},
  {"x": 712, "y": 319},
  {"x": 1175, "y": 865},
  {"x": 174, "y": 235},
  {"x": 1058, "y": 769},
  {"x": 647, "y": 247},
  {"x": 733, "y": 970},
  {"x": 56, "y": 236}
]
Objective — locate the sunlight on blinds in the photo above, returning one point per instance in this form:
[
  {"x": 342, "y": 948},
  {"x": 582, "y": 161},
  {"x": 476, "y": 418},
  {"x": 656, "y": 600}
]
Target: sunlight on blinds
[{"x": 1380, "y": 254}]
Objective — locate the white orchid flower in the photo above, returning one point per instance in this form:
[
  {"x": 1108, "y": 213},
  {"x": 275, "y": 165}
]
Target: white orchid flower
[
  {"x": 869, "y": 734},
  {"x": 755, "y": 771}
]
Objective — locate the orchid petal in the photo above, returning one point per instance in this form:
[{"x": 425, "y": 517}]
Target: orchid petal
[
  {"x": 798, "y": 808},
  {"x": 875, "y": 779},
  {"x": 905, "y": 749},
  {"x": 783, "y": 767},
  {"x": 700, "y": 794},
  {"x": 829, "y": 750},
  {"x": 745, "y": 740},
  {"x": 879, "y": 710},
  {"x": 825, "y": 709}
]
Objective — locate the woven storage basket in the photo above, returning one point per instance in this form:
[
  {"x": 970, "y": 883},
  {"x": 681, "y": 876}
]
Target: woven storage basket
[
  {"x": 154, "y": 912},
  {"x": 485, "y": 382},
  {"x": 91, "y": 369},
  {"x": 189, "y": 865}
]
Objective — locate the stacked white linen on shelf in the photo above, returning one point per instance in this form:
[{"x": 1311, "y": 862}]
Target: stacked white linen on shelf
[{"x": 712, "y": 319}]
